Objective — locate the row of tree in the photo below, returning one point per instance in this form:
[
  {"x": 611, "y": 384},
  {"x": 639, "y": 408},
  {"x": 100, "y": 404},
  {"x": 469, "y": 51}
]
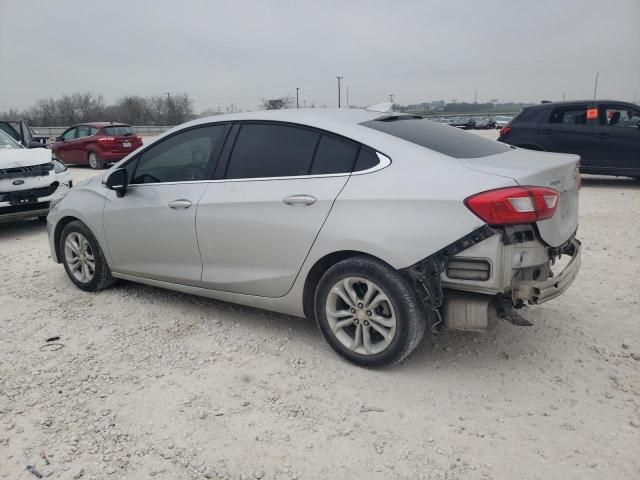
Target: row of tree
[{"x": 88, "y": 107}]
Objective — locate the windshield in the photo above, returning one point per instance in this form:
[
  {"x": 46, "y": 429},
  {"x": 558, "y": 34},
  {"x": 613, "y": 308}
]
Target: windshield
[
  {"x": 7, "y": 142},
  {"x": 118, "y": 130},
  {"x": 440, "y": 138}
]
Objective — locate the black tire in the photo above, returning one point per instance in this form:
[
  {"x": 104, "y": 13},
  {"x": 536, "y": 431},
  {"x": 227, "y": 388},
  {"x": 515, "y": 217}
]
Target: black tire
[
  {"x": 95, "y": 161},
  {"x": 410, "y": 320},
  {"x": 101, "y": 277}
]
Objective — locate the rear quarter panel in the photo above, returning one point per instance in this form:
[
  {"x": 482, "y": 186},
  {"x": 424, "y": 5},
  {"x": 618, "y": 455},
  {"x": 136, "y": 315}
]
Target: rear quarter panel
[{"x": 407, "y": 211}]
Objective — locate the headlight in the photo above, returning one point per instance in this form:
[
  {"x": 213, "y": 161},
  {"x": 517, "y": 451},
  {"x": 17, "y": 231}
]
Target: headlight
[{"x": 59, "y": 167}]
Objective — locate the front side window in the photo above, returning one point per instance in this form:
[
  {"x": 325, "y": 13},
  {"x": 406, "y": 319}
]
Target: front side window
[
  {"x": 181, "y": 157},
  {"x": 9, "y": 130},
  {"x": 573, "y": 115},
  {"x": 69, "y": 134},
  {"x": 6, "y": 141},
  {"x": 618, "y": 116},
  {"x": 268, "y": 150}
]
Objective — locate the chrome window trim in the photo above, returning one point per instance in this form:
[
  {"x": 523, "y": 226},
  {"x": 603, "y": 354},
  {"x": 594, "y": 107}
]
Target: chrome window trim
[{"x": 384, "y": 163}]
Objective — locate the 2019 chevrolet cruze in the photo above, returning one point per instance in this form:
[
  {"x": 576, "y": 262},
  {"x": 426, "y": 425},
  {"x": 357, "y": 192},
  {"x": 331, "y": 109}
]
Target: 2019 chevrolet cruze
[{"x": 377, "y": 225}]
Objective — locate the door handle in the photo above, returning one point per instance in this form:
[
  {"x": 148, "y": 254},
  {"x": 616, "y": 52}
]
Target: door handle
[
  {"x": 299, "y": 200},
  {"x": 181, "y": 204}
]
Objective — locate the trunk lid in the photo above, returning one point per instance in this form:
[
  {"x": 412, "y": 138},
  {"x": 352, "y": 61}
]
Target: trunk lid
[{"x": 531, "y": 168}]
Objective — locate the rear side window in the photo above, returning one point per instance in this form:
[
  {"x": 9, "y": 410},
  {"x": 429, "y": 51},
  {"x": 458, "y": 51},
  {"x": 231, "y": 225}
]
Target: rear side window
[
  {"x": 118, "y": 130},
  {"x": 573, "y": 115},
  {"x": 367, "y": 159},
  {"x": 265, "y": 150},
  {"x": 440, "y": 138},
  {"x": 333, "y": 156},
  {"x": 83, "y": 131},
  {"x": 619, "y": 116}
]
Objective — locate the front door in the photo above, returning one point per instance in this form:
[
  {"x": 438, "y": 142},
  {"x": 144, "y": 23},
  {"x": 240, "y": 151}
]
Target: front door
[
  {"x": 257, "y": 224},
  {"x": 617, "y": 139},
  {"x": 64, "y": 147},
  {"x": 151, "y": 230}
]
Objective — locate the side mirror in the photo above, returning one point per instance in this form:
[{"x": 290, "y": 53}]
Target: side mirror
[
  {"x": 37, "y": 145},
  {"x": 117, "y": 181},
  {"x": 60, "y": 139}
]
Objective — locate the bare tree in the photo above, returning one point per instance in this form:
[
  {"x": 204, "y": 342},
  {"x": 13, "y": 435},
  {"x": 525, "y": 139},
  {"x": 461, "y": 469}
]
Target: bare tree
[{"x": 278, "y": 103}]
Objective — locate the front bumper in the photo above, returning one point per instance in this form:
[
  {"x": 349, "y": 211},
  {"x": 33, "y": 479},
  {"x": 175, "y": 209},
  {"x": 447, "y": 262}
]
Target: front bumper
[
  {"x": 537, "y": 292},
  {"x": 38, "y": 198}
]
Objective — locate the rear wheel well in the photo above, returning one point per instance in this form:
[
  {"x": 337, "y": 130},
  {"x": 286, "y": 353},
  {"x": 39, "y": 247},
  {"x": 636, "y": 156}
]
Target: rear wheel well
[
  {"x": 315, "y": 274},
  {"x": 58, "y": 232}
]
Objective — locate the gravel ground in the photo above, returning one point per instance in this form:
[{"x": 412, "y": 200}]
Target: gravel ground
[{"x": 149, "y": 383}]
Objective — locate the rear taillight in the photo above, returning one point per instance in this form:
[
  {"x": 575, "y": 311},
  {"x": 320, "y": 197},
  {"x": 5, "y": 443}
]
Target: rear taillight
[
  {"x": 139, "y": 139},
  {"x": 514, "y": 205},
  {"x": 106, "y": 139},
  {"x": 504, "y": 130}
]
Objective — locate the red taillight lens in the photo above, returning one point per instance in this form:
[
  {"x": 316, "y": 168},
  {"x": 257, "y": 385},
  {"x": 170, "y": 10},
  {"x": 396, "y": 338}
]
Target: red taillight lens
[
  {"x": 139, "y": 139},
  {"x": 504, "y": 131},
  {"x": 514, "y": 205},
  {"x": 106, "y": 139}
]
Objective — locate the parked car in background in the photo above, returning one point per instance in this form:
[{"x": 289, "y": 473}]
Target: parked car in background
[
  {"x": 605, "y": 133},
  {"x": 483, "y": 123},
  {"x": 20, "y": 131},
  {"x": 465, "y": 123},
  {"x": 95, "y": 144},
  {"x": 377, "y": 225},
  {"x": 502, "y": 120},
  {"x": 30, "y": 181}
]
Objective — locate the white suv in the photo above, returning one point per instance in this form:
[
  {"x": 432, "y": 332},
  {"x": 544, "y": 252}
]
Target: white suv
[
  {"x": 376, "y": 225},
  {"x": 29, "y": 180}
]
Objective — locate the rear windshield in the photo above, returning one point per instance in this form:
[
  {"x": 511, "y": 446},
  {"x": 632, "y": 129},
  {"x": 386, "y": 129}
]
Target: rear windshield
[
  {"x": 440, "y": 138},
  {"x": 118, "y": 130}
]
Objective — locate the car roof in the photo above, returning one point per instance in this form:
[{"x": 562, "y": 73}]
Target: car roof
[
  {"x": 574, "y": 102},
  {"x": 102, "y": 124}
]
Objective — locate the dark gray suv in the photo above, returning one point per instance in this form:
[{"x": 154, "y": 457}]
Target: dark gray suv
[{"x": 605, "y": 133}]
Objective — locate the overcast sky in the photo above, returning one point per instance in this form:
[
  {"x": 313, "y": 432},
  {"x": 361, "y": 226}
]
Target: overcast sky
[{"x": 237, "y": 52}]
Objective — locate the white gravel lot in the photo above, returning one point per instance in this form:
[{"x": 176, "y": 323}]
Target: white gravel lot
[{"x": 156, "y": 384}]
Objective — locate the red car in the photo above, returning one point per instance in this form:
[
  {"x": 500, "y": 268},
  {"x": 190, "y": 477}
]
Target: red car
[{"x": 95, "y": 144}]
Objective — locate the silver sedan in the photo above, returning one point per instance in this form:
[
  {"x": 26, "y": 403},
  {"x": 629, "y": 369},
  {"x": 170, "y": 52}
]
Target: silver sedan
[{"x": 379, "y": 226}]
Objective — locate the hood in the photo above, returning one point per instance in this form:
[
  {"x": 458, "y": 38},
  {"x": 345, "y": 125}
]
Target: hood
[{"x": 23, "y": 157}]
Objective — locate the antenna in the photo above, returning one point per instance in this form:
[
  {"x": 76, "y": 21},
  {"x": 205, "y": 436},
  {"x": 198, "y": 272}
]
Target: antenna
[{"x": 595, "y": 88}]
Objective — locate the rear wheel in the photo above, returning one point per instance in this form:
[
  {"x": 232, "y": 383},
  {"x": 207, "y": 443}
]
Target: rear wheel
[
  {"x": 95, "y": 162},
  {"x": 368, "y": 313},
  {"x": 83, "y": 259}
]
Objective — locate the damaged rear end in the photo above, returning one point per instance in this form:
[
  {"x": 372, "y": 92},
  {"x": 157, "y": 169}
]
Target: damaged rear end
[{"x": 526, "y": 254}]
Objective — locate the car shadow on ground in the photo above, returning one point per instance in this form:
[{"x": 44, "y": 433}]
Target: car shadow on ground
[
  {"x": 442, "y": 351},
  {"x": 601, "y": 181},
  {"x": 32, "y": 226}
]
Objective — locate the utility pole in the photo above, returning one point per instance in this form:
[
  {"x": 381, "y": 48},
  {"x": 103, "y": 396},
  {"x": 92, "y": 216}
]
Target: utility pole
[
  {"x": 475, "y": 96},
  {"x": 595, "y": 88},
  {"x": 297, "y": 97},
  {"x": 168, "y": 94},
  {"x": 347, "y": 97},
  {"x": 564, "y": 95},
  {"x": 339, "y": 78},
  {"x": 391, "y": 95}
]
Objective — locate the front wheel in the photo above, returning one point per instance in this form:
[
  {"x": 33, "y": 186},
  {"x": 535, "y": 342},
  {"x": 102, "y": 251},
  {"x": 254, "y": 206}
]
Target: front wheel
[
  {"x": 95, "y": 162},
  {"x": 83, "y": 259},
  {"x": 368, "y": 313}
]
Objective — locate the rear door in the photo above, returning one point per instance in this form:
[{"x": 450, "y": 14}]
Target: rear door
[
  {"x": 79, "y": 145},
  {"x": 567, "y": 130},
  {"x": 258, "y": 221},
  {"x": 616, "y": 138}
]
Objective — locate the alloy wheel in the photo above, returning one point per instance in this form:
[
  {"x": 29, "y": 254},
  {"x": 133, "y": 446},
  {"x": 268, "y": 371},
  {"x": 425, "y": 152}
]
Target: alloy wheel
[
  {"x": 79, "y": 257},
  {"x": 93, "y": 160},
  {"x": 361, "y": 316}
]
